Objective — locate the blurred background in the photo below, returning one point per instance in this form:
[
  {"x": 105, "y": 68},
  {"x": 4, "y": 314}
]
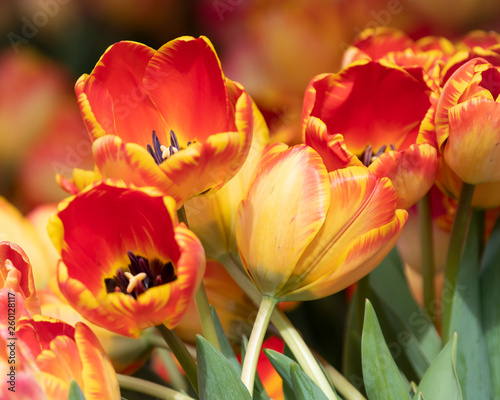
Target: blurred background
[{"x": 272, "y": 47}]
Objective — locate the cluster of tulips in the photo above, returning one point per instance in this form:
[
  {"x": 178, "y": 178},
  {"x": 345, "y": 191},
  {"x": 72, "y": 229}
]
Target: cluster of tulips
[{"x": 190, "y": 203}]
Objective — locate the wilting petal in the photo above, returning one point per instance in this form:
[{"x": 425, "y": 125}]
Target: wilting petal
[
  {"x": 361, "y": 227},
  {"x": 284, "y": 209},
  {"x": 113, "y": 99}
]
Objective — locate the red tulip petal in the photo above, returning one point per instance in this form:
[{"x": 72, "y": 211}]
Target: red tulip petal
[
  {"x": 113, "y": 99},
  {"x": 330, "y": 147},
  {"x": 192, "y": 97},
  {"x": 411, "y": 171}
]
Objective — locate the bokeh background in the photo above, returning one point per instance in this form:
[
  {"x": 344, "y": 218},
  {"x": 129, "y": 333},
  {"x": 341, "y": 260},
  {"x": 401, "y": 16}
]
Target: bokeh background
[{"x": 272, "y": 47}]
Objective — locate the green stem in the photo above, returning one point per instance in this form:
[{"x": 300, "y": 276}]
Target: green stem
[
  {"x": 201, "y": 301},
  {"x": 149, "y": 388},
  {"x": 427, "y": 243},
  {"x": 302, "y": 353},
  {"x": 177, "y": 380},
  {"x": 207, "y": 322},
  {"x": 454, "y": 255},
  {"x": 288, "y": 332},
  {"x": 181, "y": 353},
  {"x": 343, "y": 386},
  {"x": 255, "y": 343}
]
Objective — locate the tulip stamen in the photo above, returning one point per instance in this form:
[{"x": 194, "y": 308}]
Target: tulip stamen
[
  {"x": 161, "y": 152},
  {"x": 142, "y": 275},
  {"x": 368, "y": 157}
]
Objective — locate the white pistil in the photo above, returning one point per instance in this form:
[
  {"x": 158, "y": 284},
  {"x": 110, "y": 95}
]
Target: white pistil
[
  {"x": 133, "y": 280},
  {"x": 167, "y": 152}
]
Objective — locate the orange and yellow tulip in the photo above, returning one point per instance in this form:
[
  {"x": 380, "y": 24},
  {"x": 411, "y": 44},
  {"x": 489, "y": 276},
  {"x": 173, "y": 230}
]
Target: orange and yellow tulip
[
  {"x": 135, "y": 96},
  {"x": 16, "y": 275},
  {"x": 304, "y": 233},
  {"x": 466, "y": 122},
  {"x": 126, "y": 264},
  {"x": 60, "y": 353},
  {"x": 371, "y": 114}
]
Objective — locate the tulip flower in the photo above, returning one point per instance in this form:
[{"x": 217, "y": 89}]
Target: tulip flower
[
  {"x": 466, "y": 122},
  {"x": 126, "y": 354},
  {"x": 16, "y": 275},
  {"x": 25, "y": 231},
  {"x": 126, "y": 263},
  {"x": 167, "y": 118},
  {"x": 371, "y": 114},
  {"x": 63, "y": 353},
  {"x": 212, "y": 217},
  {"x": 304, "y": 233}
]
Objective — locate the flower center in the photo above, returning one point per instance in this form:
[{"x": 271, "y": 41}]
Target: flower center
[
  {"x": 160, "y": 152},
  {"x": 368, "y": 157},
  {"x": 142, "y": 274}
]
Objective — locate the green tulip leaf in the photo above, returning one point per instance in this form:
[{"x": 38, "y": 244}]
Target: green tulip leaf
[
  {"x": 217, "y": 379},
  {"x": 389, "y": 283},
  {"x": 465, "y": 319},
  {"x": 380, "y": 373},
  {"x": 490, "y": 305},
  {"x": 75, "y": 393},
  {"x": 224, "y": 344},
  {"x": 282, "y": 365},
  {"x": 305, "y": 388},
  {"x": 441, "y": 381}
]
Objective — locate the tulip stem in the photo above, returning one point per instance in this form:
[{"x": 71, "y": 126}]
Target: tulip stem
[
  {"x": 454, "y": 255},
  {"x": 307, "y": 360},
  {"x": 343, "y": 386},
  {"x": 289, "y": 334},
  {"x": 259, "y": 329},
  {"x": 181, "y": 353},
  {"x": 150, "y": 388},
  {"x": 427, "y": 243},
  {"x": 362, "y": 293},
  {"x": 201, "y": 300}
]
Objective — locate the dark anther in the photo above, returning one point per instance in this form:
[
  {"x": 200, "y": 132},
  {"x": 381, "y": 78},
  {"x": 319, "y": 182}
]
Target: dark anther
[
  {"x": 381, "y": 151},
  {"x": 392, "y": 147},
  {"x": 173, "y": 140},
  {"x": 155, "y": 150},
  {"x": 367, "y": 156},
  {"x": 151, "y": 273}
]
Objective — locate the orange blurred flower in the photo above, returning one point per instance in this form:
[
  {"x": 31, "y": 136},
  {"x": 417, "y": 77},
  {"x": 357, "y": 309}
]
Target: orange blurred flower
[
  {"x": 304, "y": 233},
  {"x": 370, "y": 114},
  {"x": 62, "y": 353},
  {"x": 126, "y": 263},
  {"x": 135, "y": 96}
]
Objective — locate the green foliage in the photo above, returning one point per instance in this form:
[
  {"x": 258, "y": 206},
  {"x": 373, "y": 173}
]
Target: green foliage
[
  {"x": 441, "y": 381},
  {"x": 217, "y": 379},
  {"x": 380, "y": 373},
  {"x": 75, "y": 393}
]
